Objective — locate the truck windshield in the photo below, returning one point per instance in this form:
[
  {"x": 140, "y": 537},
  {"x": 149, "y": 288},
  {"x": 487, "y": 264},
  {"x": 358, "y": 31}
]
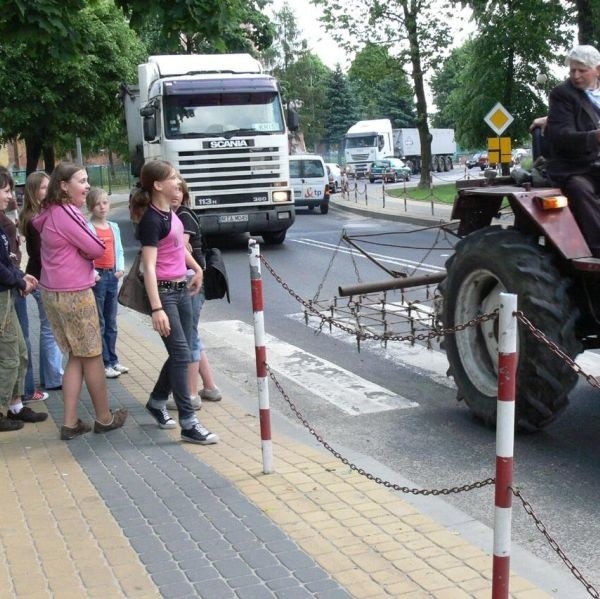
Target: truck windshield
[
  {"x": 223, "y": 114},
  {"x": 363, "y": 141}
]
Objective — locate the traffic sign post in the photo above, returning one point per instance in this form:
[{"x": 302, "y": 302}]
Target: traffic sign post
[{"x": 499, "y": 148}]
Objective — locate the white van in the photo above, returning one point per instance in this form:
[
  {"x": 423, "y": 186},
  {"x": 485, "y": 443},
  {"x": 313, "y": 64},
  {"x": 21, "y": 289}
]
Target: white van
[{"x": 310, "y": 182}]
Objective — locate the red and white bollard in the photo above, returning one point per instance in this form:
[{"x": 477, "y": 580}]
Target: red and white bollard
[
  {"x": 261, "y": 356},
  {"x": 505, "y": 440}
]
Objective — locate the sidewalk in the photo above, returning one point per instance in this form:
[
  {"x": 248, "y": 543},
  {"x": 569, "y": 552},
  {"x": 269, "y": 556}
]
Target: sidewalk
[{"x": 137, "y": 513}]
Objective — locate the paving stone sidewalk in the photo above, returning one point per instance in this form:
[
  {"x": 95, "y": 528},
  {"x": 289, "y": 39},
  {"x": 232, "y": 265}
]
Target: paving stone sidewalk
[{"x": 137, "y": 513}]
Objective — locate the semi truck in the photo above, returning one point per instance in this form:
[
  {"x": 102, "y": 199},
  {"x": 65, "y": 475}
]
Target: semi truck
[
  {"x": 367, "y": 141},
  {"x": 220, "y": 121}
]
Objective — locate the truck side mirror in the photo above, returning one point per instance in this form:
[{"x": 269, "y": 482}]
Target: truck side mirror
[
  {"x": 149, "y": 128},
  {"x": 293, "y": 121}
]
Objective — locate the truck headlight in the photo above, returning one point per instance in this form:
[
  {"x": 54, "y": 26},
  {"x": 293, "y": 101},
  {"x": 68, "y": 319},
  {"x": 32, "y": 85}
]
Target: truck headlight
[{"x": 281, "y": 196}]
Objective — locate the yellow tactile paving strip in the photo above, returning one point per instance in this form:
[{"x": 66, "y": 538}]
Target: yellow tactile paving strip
[{"x": 369, "y": 539}]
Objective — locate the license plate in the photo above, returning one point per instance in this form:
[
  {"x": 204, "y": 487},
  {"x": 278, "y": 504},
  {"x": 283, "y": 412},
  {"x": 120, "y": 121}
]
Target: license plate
[{"x": 233, "y": 218}]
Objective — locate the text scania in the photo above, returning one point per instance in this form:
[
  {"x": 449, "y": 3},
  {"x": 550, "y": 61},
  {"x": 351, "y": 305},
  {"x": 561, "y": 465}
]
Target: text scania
[{"x": 229, "y": 143}]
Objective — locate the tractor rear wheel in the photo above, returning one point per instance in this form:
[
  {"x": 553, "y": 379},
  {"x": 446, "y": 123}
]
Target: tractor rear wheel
[{"x": 486, "y": 263}]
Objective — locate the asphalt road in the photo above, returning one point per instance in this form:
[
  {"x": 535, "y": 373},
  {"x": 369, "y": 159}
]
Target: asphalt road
[{"x": 436, "y": 444}]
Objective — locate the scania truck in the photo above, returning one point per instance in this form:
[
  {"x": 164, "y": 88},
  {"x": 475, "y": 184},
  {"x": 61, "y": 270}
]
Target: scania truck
[{"x": 219, "y": 120}]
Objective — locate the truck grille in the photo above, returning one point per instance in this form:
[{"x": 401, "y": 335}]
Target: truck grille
[{"x": 219, "y": 169}]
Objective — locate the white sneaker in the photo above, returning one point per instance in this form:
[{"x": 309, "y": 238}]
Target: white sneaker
[
  {"x": 211, "y": 394},
  {"x": 111, "y": 373},
  {"x": 120, "y": 368},
  {"x": 196, "y": 403}
]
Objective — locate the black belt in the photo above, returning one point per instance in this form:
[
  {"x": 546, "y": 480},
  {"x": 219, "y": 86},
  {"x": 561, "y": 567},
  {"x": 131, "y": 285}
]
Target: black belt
[
  {"x": 172, "y": 285},
  {"x": 99, "y": 270}
]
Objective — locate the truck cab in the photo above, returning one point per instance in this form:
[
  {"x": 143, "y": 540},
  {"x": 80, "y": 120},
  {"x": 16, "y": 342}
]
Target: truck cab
[
  {"x": 365, "y": 142},
  {"x": 219, "y": 120}
]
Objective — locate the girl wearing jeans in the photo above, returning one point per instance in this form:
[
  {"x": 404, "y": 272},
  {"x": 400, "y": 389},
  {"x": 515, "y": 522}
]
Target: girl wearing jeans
[
  {"x": 109, "y": 269},
  {"x": 51, "y": 358},
  {"x": 165, "y": 261}
]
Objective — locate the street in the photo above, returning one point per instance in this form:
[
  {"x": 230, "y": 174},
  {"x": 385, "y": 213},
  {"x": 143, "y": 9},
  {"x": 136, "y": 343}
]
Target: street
[{"x": 417, "y": 430}]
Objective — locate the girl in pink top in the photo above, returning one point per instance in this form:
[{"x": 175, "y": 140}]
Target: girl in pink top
[
  {"x": 68, "y": 249},
  {"x": 166, "y": 259}
]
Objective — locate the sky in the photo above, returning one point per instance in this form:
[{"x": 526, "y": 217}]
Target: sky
[{"x": 307, "y": 18}]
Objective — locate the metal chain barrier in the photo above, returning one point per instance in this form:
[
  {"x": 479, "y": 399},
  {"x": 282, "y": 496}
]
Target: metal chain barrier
[
  {"x": 435, "y": 333},
  {"x": 361, "y": 471},
  {"x": 556, "y": 350},
  {"x": 555, "y": 546}
]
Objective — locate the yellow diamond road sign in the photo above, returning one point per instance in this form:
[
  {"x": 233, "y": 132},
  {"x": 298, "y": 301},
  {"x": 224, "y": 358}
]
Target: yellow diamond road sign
[{"x": 498, "y": 118}]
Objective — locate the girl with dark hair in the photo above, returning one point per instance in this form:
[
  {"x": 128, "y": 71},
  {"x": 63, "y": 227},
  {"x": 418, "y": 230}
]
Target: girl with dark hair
[
  {"x": 165, "y": 261},
  {"x": 68, "y": 250},
  {"x": 50, "y": 356}
]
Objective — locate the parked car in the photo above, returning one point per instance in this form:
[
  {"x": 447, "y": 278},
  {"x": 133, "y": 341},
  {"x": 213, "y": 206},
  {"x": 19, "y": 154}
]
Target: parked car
[
  {"x": 479, "y": 159},
  {"x": 391, "y": 170},
  {"x": 334, "y": 172},
  {"x": 309, "y": 180}
]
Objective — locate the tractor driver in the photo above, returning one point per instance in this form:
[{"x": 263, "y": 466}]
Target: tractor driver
[{"x": 573, "y": 133}]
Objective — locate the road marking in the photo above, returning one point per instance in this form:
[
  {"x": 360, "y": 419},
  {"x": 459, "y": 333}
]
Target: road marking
[
  {"x": 342, "y": 388},
  {"x": 428, "y": 362},
  {"x": 382, "y": 257}
]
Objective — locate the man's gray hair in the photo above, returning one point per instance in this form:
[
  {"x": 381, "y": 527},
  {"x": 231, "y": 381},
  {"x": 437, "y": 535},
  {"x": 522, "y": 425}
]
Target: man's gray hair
[{"x": 587, "y": 55}]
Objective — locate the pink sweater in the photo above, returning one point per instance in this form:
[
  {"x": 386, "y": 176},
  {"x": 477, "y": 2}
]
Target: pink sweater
[{"x": 68, "y": 249}]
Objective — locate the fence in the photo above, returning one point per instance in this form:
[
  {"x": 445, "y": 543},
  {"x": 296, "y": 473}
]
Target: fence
[
  {"x": 419, "y": 330},
  {"x": 115, "y": 179}
]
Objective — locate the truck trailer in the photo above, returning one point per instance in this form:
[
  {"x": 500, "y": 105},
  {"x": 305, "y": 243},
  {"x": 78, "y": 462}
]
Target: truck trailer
[
  {"x": 407, "y": 145},
  {"x": 219, "y": 120}
]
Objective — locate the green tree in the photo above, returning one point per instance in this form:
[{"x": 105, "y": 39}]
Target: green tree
[
  {"x": 382, "y": 87},
  {"x": 515, "y": 42},
  {"x": 41, "y": 24},
  {"x": 301, "y": 74},
  {"x": 340, "y": 113},
  {"x": 201, "y": 26},
  {"x": 306, "y": 80},
  {"x": 418, "y": 28},
  {"x": 46, "y": 101}
]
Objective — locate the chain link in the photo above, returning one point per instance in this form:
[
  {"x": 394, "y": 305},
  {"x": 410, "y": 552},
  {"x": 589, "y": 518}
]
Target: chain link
[
  {"x": 556, "y": 350},
  {"x": 361, "y": 471},
  {"x": 555, "y": 546},
  {"x": 435, "y": 333}
]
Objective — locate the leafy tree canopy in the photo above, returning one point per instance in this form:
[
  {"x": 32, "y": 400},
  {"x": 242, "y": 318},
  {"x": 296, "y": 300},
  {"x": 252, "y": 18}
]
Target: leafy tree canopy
[
  {"x": 44, "y": 100},
  {"x": 515, "y": 42},
  {"x": 382, "y": 86},
  {"x": 201, "y": 26}
]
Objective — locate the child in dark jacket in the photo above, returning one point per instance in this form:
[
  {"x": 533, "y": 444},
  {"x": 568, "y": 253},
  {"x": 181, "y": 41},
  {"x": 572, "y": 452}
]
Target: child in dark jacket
[{"x": 13, "y": 351}]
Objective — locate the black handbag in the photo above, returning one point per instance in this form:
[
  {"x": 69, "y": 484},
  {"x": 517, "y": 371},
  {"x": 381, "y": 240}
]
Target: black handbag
[
  {"x": 132, "y": 293},
  {"x": 216, "y": 284}
]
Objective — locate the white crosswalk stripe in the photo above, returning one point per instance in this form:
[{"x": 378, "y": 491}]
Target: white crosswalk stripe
[
  {"x": 381, "y": 257},
  {"x": 342, "y": 388}
]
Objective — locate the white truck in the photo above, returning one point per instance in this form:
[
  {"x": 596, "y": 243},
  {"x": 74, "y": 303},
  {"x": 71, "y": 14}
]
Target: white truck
[
  {"x": 365, "y": 142},
  {"x": 407, "y": 145},
  {"x": 219, "y": 120}
]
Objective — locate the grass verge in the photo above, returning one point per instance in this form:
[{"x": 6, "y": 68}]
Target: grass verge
[{"x": 444, "y": 194}]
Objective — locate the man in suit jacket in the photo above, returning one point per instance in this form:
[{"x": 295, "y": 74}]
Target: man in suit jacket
[{"x": 574, "y": 134}]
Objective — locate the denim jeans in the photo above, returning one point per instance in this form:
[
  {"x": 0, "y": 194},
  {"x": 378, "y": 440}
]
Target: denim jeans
[
  {"x": 174, "y": 373},
  {"x": 106, "y": 290},
  {"x": 50, "y": 356},
  {"x": 21, "y": 310},
  {"x": 197, "y": 303}
]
